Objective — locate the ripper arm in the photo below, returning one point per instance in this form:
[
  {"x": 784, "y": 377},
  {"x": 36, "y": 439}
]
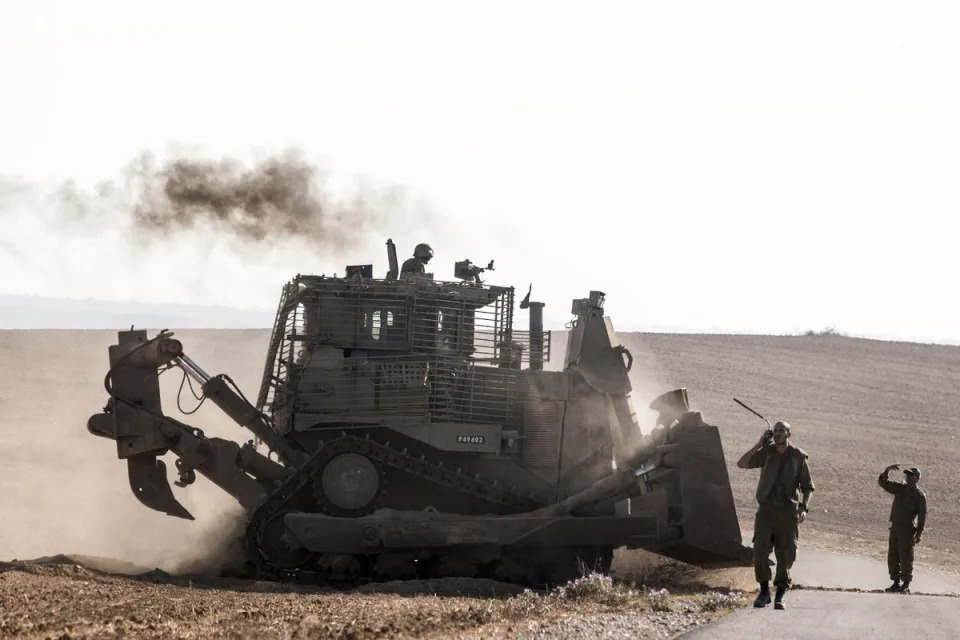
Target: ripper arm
[{"x": 134, "y": 418}]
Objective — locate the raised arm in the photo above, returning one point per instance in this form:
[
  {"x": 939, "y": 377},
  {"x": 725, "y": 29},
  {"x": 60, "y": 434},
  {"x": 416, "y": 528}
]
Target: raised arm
[
  {"x": 751, "y": 459},
  {"x": 884, "y": 480}
]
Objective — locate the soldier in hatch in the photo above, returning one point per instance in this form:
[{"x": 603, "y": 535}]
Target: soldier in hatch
[
  {"x": 417, "y": 264},
  {"x": 909, "y": 502},
  {"x": 784, "y": 475}
]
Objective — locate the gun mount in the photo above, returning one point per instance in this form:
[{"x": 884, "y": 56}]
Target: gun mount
[
  {"x": 412, "y": 431},
  {"x": 466, "y": 270}
]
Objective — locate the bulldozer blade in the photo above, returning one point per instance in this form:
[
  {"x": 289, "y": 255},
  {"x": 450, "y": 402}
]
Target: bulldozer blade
[
  {"x": 711, "y": 531},
  {"x": 148, "y": 479}
]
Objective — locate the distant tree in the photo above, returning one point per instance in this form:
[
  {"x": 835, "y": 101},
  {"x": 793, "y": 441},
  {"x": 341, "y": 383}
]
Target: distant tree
[{"x": 826, "y": 331}]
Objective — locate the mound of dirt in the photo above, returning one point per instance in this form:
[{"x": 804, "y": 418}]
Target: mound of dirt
[
  {"x": 92, "y": 563},
  {"x": 645, "y": 568}
]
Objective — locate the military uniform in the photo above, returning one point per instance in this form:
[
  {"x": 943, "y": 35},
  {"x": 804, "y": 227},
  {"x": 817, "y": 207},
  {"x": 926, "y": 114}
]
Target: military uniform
[
  {"x": 412, "y": 265},
  {"x": 908, "y": 503},
  {"x": 776, "y": 527},
  {"x": 417, "y": 265}
]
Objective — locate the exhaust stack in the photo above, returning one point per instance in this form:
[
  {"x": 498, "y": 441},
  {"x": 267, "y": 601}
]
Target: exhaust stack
[
  {"x": 536, "y": 335},
  {"x": 536, "y": 330}
]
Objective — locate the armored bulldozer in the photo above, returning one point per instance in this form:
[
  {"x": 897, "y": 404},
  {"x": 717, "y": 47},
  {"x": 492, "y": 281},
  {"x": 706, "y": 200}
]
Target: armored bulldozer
[{"x": 410, "y": 431}]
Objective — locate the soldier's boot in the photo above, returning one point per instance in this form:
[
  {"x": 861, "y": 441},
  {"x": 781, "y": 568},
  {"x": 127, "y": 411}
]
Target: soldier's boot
[
  {"x": 895, "y": 587},
  {"x": 763, "y": 599},
  {"x": 778, "y": 601},
  {"x": 905, "y": 587}
]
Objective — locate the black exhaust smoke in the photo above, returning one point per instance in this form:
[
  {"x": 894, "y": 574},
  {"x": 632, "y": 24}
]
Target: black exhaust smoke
[
  {"x": 281, "y": 197},
  {"x": 273, "y": 201}
]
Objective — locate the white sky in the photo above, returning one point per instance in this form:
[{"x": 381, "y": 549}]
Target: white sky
[{"x": 762, "y": 167}]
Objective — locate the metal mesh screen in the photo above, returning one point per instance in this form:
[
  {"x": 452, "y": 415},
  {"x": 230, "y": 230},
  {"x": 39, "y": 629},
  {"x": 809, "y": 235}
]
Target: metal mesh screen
[
  {"x": 523, "y": 338},
  {"x": 360, "y": 350},
  {"x": 329, "y": 388}
]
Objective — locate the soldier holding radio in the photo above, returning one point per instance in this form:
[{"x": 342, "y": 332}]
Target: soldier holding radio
[{"x": 784, "y": 476}]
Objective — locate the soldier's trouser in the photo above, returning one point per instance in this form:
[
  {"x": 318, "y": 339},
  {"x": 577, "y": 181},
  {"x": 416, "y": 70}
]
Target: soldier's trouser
[
  {"x": 775, "y": 528},
  {"x": 900, "y": 552}
]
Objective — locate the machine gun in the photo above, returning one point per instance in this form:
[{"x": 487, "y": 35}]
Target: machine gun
[{"x": 466, "y": 270}]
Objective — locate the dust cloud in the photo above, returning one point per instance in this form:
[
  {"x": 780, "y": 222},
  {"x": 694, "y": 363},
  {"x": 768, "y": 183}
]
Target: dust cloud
[
  {"x": 647, "y": 379},
  {"x": 220, "y": 549},
  {"x": 64, "y": 491}
]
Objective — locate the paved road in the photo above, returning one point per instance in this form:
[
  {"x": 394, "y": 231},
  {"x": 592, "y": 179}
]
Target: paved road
[
  {"x": 815, "y": 568},
  {"x": 841, "y": 615}
]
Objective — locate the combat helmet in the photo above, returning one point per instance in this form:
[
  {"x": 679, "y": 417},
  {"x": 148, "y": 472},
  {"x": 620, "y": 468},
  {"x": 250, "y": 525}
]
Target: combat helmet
[
  {"x": 423, "y": 251},
  {"x": 671, "y": 405}
]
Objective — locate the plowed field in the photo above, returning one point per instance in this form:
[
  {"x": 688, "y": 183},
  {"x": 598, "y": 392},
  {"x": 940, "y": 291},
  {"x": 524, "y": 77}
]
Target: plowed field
[{"x": 855, "y": 406}]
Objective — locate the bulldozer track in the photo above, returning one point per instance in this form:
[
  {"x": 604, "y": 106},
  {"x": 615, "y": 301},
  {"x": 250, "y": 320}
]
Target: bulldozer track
[{"x": 283, "y": 499}]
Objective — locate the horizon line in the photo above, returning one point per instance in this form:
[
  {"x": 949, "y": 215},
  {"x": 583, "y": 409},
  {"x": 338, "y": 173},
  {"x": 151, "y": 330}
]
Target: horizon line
[{"x": 268, "y": 314}]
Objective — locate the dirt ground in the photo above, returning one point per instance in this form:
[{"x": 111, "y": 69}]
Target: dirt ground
[
  {"x": 855, "y": 405},
  {"x": 70, "y": 597}
]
